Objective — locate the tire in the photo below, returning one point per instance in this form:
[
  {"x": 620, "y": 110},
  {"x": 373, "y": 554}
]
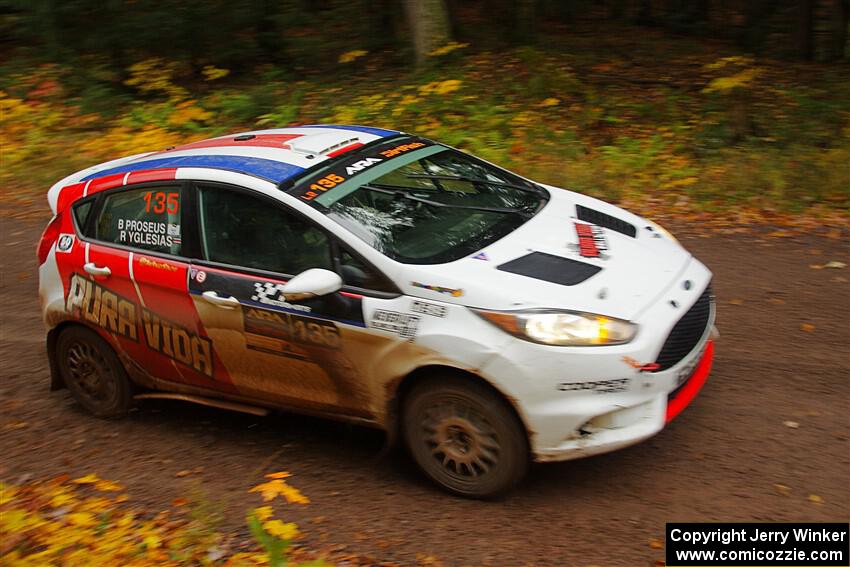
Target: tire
[
  {"x": 94, "y": 375},
  {"x": 465, "y": 437}
]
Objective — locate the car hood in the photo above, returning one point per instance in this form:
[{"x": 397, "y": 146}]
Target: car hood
[{"x": 516, "y": 271}]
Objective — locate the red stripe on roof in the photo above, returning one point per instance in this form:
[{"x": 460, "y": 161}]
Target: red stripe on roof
[
  {"x": 344, "y": 149},
  {"x": 106, "y": 182},
  {"x": 165, "y": 174},
  {"x": 259, "y": 140}
]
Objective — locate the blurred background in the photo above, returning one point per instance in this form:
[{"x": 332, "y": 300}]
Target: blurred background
[
  {"x": 713, "y": 116},
  {"x": 707, "y": 109}
]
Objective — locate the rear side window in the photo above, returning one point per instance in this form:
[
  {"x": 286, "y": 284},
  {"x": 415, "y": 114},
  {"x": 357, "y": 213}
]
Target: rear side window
[
  {"x": 148, "y": 219},
  {"x": 242, "y": 230},
  {"x": 81, "y": 214}
]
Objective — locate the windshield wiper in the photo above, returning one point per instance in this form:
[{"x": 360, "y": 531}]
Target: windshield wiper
[
  {"x": 473, "y": 180},
  {"x": 400, "y": 192}
]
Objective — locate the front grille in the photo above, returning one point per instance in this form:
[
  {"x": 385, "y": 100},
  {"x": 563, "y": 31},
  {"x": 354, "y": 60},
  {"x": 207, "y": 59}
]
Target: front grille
[
  {"x": 605, "y": 220},
  {"x": 687, "y": 332}
]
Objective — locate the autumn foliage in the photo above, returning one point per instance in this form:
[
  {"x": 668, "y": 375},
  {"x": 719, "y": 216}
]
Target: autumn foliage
[{"x": 89, "y": 521}]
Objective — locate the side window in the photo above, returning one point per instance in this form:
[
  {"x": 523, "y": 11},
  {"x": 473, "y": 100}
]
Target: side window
[
  {"x": 358, "y": 273},
  {"x": 243, "y": 230},
  {"x": 81, "y": 214},
  {"x": 146, "y": 218}
]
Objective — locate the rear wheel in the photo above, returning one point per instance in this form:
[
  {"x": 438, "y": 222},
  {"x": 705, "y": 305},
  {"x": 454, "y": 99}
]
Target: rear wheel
[
  {"x": 465, "y": 437},
  {"x": 93, "y": 373}
]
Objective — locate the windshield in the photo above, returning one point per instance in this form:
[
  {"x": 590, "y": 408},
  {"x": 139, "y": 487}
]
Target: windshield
[{"x": 419, "y": 202}]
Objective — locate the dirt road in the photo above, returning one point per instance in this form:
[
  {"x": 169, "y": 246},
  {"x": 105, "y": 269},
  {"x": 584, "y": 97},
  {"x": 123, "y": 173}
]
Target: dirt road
[{"x": 719, "y": 461}]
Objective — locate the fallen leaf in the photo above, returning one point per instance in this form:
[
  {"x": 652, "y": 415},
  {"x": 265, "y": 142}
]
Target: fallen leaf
[
  {"x": 655, "y": 544},
  {"x": 179, "y": 502},
  {"x": 736, "y": 302},
  {"x": 88, "y": 479},
  {"x": 816, "y": 266},
  {"x": 181, "y": 474},
  {"x": 278, "y": 475},
  {"x": 815, "y": 499},
  {"x": 777, "y": 301},
  {"x": 835, "y": 265},
  {"x": 782, "y": 489},
  {"x": 791, "y": 424},
  {"x": 808, "y": 327}
]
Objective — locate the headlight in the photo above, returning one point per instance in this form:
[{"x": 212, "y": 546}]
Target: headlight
[{"x": 562, "y": 328}]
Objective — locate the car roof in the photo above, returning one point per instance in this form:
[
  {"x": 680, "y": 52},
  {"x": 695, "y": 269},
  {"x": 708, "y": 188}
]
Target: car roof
[{"x": 275, "y": 155}]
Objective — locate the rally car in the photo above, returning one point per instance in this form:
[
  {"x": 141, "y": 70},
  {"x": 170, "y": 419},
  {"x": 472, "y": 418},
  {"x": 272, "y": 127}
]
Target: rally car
[{"x": 374, "y": 276}]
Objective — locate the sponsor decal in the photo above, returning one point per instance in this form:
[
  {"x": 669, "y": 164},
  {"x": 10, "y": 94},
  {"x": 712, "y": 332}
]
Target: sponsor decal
[
  {"x": 402, "y": 324},
  {"x": 272, "y": 294},
  {"x": 591, "y": 240},
  {"x": 597, "y": 387},
  {"x": 481, "y": 256},
  {"x": 641, "y": 366},
  {"x": 201, "y": 276},
  {"x": 157, "y": 265},
  {"x": 346, "y": 168},
  {"x": 65, "y": 242},
  {"x": 94, "y": 303},
  {"x": 91, "y": 302},
  {"x": 359, "y": 166},
  {"x": 439, "y": 289},
  {"x": 145, "y": 233},
  {"x": 177, "y": 343},
  {"x": 428, "y": 308},
  {"x": 291, "y": 328}
]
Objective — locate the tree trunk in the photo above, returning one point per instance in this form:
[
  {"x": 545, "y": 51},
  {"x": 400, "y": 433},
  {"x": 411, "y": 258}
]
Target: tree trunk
[
  {"x": 429, "y": 26},
  {"x": 804, "y": 28}
]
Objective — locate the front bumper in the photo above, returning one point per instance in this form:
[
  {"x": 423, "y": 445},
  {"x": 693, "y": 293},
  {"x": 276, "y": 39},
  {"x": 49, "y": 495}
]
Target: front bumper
[
  {"x": 630, "y": 425},
  {"x": 582, "y": 401}
]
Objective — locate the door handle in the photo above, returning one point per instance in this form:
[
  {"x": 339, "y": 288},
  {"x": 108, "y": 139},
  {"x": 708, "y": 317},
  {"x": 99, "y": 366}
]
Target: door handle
[
  {"x": 228, "y": 302},
  {"x": 96, "y": 270}
]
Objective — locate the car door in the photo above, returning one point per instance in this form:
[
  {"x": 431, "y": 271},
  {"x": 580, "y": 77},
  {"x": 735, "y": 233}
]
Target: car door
[
  {"x": 300, "y": 354},
  {"x": 134, "y": 251}
]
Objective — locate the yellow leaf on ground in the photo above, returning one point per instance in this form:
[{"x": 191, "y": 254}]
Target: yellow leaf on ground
[
  {"x": 282, "y": 474},
  {"x": 815, "y": 499},
  {"x": 782, "y": 489},
  {"x": 88, "y": 479},
  {"x": 736, "y": 302},
  {"x": 808, "y": 327},
  {"x": 82, "y": 519},
  {"x": 283, "y": 530},
  {"x": 263, "y": 512},
  {"x": 655, "y": 543},
  {"x": 108, "y": 486}
]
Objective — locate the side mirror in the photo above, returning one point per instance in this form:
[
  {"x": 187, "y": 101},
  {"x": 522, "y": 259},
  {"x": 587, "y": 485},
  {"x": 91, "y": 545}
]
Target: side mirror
[{"x": 312, "y": 283}]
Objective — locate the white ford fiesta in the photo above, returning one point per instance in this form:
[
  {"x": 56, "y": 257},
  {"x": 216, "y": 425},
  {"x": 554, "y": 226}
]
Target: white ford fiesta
[{"x": 374, "y": 276}]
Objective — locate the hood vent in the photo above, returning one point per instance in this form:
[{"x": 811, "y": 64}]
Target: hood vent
[
  {"x": 550, "y": 268},
  {"x": 606, "y": 221}
]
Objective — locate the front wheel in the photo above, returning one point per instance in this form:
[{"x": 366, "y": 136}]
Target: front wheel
[
  {"x": 93, "y": 373},
  {"x": 465, "y": 437}
]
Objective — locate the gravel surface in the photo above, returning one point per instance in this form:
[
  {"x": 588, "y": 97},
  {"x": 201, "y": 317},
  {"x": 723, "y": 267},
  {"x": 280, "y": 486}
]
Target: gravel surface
[{"x": 774, "y": 412}]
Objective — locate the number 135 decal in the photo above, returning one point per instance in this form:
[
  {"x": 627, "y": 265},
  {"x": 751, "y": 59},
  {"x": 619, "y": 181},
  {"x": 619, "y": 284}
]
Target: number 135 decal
[{"x": 161, "y": 202}]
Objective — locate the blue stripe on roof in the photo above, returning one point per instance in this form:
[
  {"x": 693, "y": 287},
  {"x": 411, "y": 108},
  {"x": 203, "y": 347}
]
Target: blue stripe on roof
[
  {"x": 365, "y": 129},
  {"x": 272, "y": 170}
]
